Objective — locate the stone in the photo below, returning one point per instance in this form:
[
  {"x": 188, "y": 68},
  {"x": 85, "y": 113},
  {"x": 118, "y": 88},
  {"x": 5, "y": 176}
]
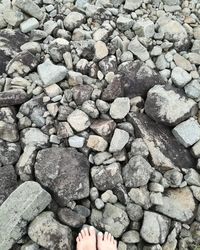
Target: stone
[
  {"x": 74, "y": 78},
  {"x": 13, "y": 97},
  {"x": 71, "y": 218},
  {"x": 168, "y": 106},
  {"x": 76, "y": 141},
  {"x": 174, "y": 178},
  {"x": 182, "y": 62},
  {"x": 119, "y": 140},
  {"x": 155, "y": 228},
  {"x": 29, "y": 25},
  {"x": 32, "y": 47},
  {"x": 79, "y": 120},
  {"x": 136, "y": 172},
  {"x": 99, "y": 204},
  {"x": 192, "y": 177},
  {"x": 99, "y": 158},
  {"x": 94, "y": 193},
  {"x": 21, "y": 207},
  {"x": 49, "y": 233},
  {"x": 196, "y": 150},
  {"x": 178, "y": 204},
  {"x": 138, "y": 49},
  {"x": 131, "y": 237},
  {"x": 30, "y": 8},
  {"x": 141, "y": 197},
  {"x": 8, "y": 182},
  {"x": 13, "y": 17},
  {"x": 166, "y": 152},
  {"x": 103, "y": 127},
  {"x": 97, "y": 143},
  {"x": 9, "y": 152},
  {"x": 131, "y": 6},
  {"x": 81, "y": 93},
  {"x": 57, "y": 48},
  {"x": 101, "y": 50},
  {"x": 33, "y": 137},
  {"x": 51, "y": 73},
  {"x": 120, "y": 108},
  {"x": 180, "y": 77},
  {"x": 194, "y": 58},
  {"x": 196, "y": 192},
  {"x": 124, "y": 23},
  {"x": 65, "y": 172},
  {"x": 73, "y": 20},
  {"x": 187, "y": 132},
  {"x": 144, "y": 28},
  {"x": 138, "y": 147},
  {"x": 30, "y": 246},
  {"x": 192, "y": 90},
  {"x": 134, "y": 211},
  {"x": 64, "y": 130},
  {"x": 89, "y": 108},
  {"x": 156, "y": 198},
  {"x": 106, "y": 177},
  {"x": 53, "y": 90}
]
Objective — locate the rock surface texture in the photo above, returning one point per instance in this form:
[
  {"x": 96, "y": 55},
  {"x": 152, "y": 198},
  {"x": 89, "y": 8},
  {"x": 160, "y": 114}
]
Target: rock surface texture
[{"x": 100, "y": 123}]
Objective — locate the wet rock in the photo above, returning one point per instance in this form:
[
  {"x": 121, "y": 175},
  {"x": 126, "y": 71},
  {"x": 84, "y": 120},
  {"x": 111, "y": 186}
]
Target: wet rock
[
  {"x": 8, "y": 182},
  {"x": 165, "y": 152},
  {"x": 49, "y": 233},
  {"x": 21, "y": 207},
  {"x": 155, "y": 228},
  {"x": 13, "y": 97},
  {"x": 9, "y": 152},
  {"x": 137, "y": 172},
  {"x": 178, "y": 204},
  {"x": 106, "y": 177},
  {"x": 70, "y": 180},
  {"x": 71, "y": 218},
  {"x": 168, "y": 106}
]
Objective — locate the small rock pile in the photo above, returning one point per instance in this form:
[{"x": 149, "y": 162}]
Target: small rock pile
[{"x": 100, "y": 123}]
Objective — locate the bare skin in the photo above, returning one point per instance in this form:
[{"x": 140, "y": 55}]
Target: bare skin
[{"x": 86, "y": 240}]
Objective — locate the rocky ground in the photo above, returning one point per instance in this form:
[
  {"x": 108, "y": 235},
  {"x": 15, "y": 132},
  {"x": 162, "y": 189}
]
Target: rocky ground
[{"x": 99, "y": 122}]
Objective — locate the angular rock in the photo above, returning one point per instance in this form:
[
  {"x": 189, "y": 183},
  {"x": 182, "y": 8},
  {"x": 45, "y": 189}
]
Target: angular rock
[
  {"x": 13, "y": 17},
  {"x": 103, "y": 127},
  {"x": 192, "y": 177},
  {"x": 57, "y": 48},
  {"x": 192, "y": 90},
  {"x": 132, "y": 5},
  {"x": 101, "y": 50},
  {"x": 136, "y": 172},
  {"x": 9, "y": 152},
  {"x": 73, "y": 20},
  {"x": 79, "y": 120},
  {"x": 49, "y": 233},
  {"x": 119, "y": 140},
  {"x": 106, "y": 177},
  {"x": 140, "y": 196},
  {"x": 180, "y": 77},
  {"x": 138, "y": 50},
  {"x": 165, "y": 152},
  {"x": 187, "y": 132},
  {"x": 97, "y": 143},
  {"x": 124, "y": 23},
  {"x": 82, "y": 93},
  {"x": 76, "y": 141},
  {"x": 155, "y": 228},
  {"x": 29, "y": 25},
  {"x": 30, "y": 8},
  {"x": 71, "y": 218},
  {"x": 168, "y": 106},
  {"x": 51, "y": 73},
  {"x": 182, "y": 62},
  {"x": 13, "y": 97},
  {"x": 138, "y": 147},
  {"x": 65, "y": 172},
  {"x": 144, "y": 28},
  {"x": 178, "y": 204},
  {"x": 8, "y": 182},
  {"x": 21, "y": 207},
  {"x": 120, "y": 108}
]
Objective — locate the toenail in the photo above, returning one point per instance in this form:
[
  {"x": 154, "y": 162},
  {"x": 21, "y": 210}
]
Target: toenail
[
  {"x": 100, "y": 234},
  {"x": 91, "y": 227}
]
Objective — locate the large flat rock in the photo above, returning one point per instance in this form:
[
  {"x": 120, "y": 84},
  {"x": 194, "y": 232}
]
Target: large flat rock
[
  {"x": 21, "y": 207},
  {"x": 65, "y": 172},
  {"x": 165, "y": 151}
]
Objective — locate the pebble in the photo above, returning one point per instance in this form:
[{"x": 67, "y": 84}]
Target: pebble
[
  {"x": 79, "y": 120},
  {"x": 119, "y": 140},
  {"x": 101, "y": 50},
  {"x": 76, "y": 141},
  {"x": 131, "y": 6},
  {"x": 97, "y": 143},
  {"x": 182, "y": 62},
  {"x": 29, "y": 25},
  {"x": 192, "y": 177},
  {"x": 131, "y": 237},
  {"x": 120, "y": 108},
  {"x": 124, "y": 23},
  {"x": 73, "y": 20},
  {"x": 192, "y": 90},
  {"x": 138, "y": 50},
  {"x": 180, "y": 77},
  {"x": 99, "y": 204}
]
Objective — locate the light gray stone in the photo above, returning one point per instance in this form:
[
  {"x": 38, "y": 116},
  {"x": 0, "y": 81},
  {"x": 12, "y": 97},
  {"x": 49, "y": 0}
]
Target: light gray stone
[
  {"x": 182, "y": 62},
  {"x": 79, "y": 120},
  {"x": 138, "y": 49},
  {"x": 99, "y": 204},
  {"x": 156, "y": 198},
  {"x": 192, "y": 90},
  {"x": 51, "y": 73},
  {"x": 99, "y": 158},
  {"x": 192, "y": 177},
  {"x": 132, "y": 5},
  {"x": 180, "y": 77},
  {"x": 178, "y": 204},
  {"x": 144, "y": 28},
  {"x": 131, "y": 237},
  {"x": 196, "y": 150},
  {"x": 21, "y": 207},
  {"x": 174, "y": 177},
  {"x": 196, "y": 192},
  {"x": 187, "y": 132},
  {"x": 120, "y": 108},
  {"x": 138, "y": 147},
  {"x": 136, "y": 172},
  {"x": 119, "y": 140},
  {"x": 73, "y": 20},
  {"x": 140, "y": 196},
  {"x": 155, "y": 228},
  {"x": 76, "y": 141},
  {"x": 101, "y": 50},
  {"x": 13, "y": 17},
  {"x": 124, "y": 23},
  {"x": 49, "y": 233},
  {"x": 29, "y": 25},
  {"x": 97, "y": 143},
  {"x": 134, "y": 211}
]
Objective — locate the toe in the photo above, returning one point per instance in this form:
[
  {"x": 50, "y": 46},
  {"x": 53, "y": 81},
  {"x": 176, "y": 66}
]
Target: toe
[
  {"x": 109, "y": 237},
  {"x": 100, "y": 237},
  {"x": 86, "y": 231},
  {"x": 92, "y": 231},
  {"x": 112, "y": 240},
  {"x": 82, "y": 233},
  {"x": 77, "y": 239},
  {"x": 105, "y": 236},
  {"x": 80, "y": 236},
  {"x": 115, "y": 243}
]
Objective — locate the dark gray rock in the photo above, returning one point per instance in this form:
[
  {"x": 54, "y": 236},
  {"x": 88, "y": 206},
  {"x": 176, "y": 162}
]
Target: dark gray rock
[
  {"x": 134, "y": 212},
  {"x": 81, "y": 93},
  {"x": 169, "y": 105},
  {"x": 103, "y": 127},
  {"x": 121, "y": 193},
  {"x": 71, "y": 218},
  {"x": 165, "y": 152},
  {"x": 65, "y": 172},
  {"x": 9, "y": 152},
  {"x": 13, "y": 97},
  {"x": 106, "y": 177},
  {"x": 108, "y": 64},
  {"x": 8, "y": 182}
]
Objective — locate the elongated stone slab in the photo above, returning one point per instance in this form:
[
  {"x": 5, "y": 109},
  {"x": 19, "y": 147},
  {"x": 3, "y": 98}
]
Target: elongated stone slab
[
  {"x": 21, "y": 207},
  {"x": 13, "y": 97}
]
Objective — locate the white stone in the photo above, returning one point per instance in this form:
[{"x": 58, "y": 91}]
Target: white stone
[
  {"x": 53, "y": 90},
  {"x": 73, "y": 20},
  {"x": 101, "y": 50},
  {"x": 138, "y": 49},
  {"x": 180, "y": 77},
  {"x": 120, "y": 108},
  {"x": 97, "y": 143},
  {"x": 145, "y": 28},
  {"x": 79, "y": 120},
  {"x": 187, "y": 132},
  {"x": 132, "y": 5},
  {"x": 76, "y": 141},
  {"x": 119, "y": 140},
  {"x": 29, "y": 25}
]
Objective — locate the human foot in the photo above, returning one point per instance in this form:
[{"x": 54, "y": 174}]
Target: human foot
[
  {"x": 106, "y": 242},
  {"x": 86, "y": 239}
]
